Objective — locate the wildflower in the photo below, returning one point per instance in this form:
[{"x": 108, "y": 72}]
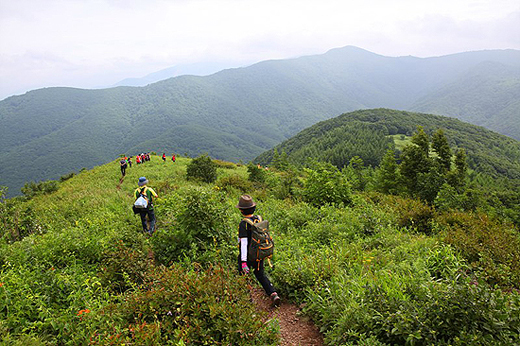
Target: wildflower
[
  {"x": 169, "y": 313},
  {"x": 1, "y": 284}
]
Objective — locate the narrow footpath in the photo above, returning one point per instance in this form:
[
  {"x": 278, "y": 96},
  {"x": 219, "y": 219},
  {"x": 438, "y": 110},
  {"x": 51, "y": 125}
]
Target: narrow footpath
[{"x": 294, "y": 329}]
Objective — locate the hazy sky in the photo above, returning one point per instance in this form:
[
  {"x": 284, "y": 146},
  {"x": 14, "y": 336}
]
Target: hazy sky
[{"x": 93, "y": 43}]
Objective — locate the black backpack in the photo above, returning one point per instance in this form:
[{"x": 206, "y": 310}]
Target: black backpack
[{"x": 262, "y": 245}]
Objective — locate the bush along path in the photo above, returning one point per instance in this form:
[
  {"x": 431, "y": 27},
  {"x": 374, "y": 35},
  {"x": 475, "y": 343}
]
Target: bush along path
[{"x": 295, "y": 329}]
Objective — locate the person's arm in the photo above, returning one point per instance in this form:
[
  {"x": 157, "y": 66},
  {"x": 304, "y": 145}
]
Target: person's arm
[
  {"x": 242, "y": 237},
  {"x": 243, "y": 249},
  {"x": 152, "y": 191}
]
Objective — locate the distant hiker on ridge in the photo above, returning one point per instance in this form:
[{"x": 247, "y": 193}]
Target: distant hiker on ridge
[
  {"x": 246, "y": 234},
  {"x": 164, "y": 157},
  {"x": 129, "y": 162},
  {"x": 123, "y": 165},
  {"x": 143, "y": 204},
  {"x": 173, "y": 157}
]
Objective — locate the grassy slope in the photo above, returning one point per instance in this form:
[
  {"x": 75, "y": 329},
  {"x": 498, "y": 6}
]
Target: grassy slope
[
  {"x": 77, "y": 233},
  {"x": 333, "y": 258}
]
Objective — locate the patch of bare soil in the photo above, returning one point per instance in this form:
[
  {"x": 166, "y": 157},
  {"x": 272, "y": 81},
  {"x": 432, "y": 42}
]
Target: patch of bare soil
[
  {"x": 120, "y": 182},
  {"x": 294, "y": 328}
]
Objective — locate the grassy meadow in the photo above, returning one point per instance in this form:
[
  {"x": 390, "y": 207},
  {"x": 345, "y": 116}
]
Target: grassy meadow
[{"x": 368, "y": 268}]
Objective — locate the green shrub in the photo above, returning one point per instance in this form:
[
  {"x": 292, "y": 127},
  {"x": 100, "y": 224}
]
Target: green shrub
[
  {"x": 43, "y": 300},
  {"x": 42, "y": 188},
  {"x": 256, "y": 174},
  {"x": 225, "y": 164},
  {"x": 193, "y": 307},
  {"x": 17, "y": 221},
  {"x": 164, "y": 187},
  {"x": 392, "y": 311},
  {"x": 201, "y": 224},
  {"x": 326, "y": 185},
  {"x": 230, "y": 182},
  {"x": 204, "y": 216},
  {"x": 413, "y": 214},
  {"x": 284, "y": 185},
  {"x": 487, "y": 245},
  {"x": 67, "y": 177},
  {"x": 124, "y": 267},
  {"x": 202, "y": 168}
]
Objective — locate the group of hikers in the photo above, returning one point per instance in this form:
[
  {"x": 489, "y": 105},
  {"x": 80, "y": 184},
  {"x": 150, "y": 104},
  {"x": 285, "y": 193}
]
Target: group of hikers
[
  {"x": 126, "y": 162},
  {"x": 142, "y": 158},
  {"x": 164, "y": 157},
  {"x": 254, "y": 242}
]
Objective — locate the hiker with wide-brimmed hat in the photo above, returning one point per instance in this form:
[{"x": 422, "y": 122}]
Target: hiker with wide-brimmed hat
[
  {"x": 143, "y": 205},
  {"x": 247, "y": 207}
]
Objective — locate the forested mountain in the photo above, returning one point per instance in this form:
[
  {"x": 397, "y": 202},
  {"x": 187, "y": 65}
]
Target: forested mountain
[
  {"x": 234, "y": 114},
  {"x": 487, "y": 95},
  {"x": 197, "y": 69},
  {"x": 369, "y": 133}
]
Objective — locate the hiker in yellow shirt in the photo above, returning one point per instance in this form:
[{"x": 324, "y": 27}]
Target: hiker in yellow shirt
[{"x": 148, "y": 194}]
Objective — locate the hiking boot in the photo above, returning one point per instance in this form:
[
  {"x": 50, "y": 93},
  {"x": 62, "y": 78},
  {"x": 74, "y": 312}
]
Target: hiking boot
[{"x": 275, "y": 299}]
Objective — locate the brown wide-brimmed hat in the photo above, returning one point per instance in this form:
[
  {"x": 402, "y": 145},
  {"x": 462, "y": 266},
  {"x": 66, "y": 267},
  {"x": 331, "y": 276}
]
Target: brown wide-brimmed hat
[{"x": 245, "y": 202}]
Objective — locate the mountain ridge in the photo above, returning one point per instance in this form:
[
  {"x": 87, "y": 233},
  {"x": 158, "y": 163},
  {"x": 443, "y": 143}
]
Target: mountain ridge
[{"x": 234, "y": 114}]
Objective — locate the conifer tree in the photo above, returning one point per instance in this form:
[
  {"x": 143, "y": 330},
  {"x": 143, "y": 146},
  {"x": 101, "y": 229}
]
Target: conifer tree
[
  {"x": 284, "y": 161},
  {"x": 421, "y": 139},
  {"x": 415, "y": 160},
  {"x": 387, "y": 177},
  {"x": 354, "y": 173},
  {"x": 457, "y": 177},
  {"x": 442, "y": 149},
  {"x": 276, "y": 159}
]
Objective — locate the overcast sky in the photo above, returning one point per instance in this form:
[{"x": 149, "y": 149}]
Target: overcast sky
[{"x": 93, "y": 43}]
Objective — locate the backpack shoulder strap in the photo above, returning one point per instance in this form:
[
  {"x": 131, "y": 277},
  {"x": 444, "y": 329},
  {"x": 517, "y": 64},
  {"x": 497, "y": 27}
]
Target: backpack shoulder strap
[
  {"x": 143, "y": 191},
  {"x": 248, "y": 220},
  {"x": 251, "y": 222}
]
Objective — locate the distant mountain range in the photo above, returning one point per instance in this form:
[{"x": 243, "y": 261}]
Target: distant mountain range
[
  {"x": 236, "y": 114},
  {"x": 196, "y": 69}
]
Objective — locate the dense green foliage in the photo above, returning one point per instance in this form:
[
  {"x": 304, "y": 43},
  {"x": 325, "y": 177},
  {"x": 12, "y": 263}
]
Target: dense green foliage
[
  {"x": 430, "y": 162},
  {"x": 203, "y": 169},
  {"x": 239, "y": 113},
  {"x": 362, "y": 133},
  {"x": 370, "y": 268}
]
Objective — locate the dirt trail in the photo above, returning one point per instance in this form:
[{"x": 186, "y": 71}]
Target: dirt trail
[
  {"x": 120, "y": 182},
  {"x": 294, "y": 329}
]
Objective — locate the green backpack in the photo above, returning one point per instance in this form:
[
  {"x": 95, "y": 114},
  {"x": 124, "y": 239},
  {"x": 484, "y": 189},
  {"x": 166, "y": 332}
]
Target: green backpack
[{"x": 262, "y": 244}]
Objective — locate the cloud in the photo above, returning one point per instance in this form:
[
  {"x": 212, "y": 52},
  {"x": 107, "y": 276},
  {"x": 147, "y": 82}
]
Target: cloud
[{"x": 98, "y": 42}]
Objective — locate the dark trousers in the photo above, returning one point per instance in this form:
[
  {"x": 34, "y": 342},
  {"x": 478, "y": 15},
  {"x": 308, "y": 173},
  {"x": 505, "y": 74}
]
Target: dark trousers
[
  {"x": 258, "y": 270},
  {"x": 123, "y": 170},
  {"x": 151, "y": 218}
]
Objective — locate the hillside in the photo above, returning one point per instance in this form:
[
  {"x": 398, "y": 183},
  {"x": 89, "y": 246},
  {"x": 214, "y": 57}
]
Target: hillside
[
  {"x": 367, "y": 134},
  {"x": 235, "y": 114},
  {"x": 487, "y": 95},
  {"x": 370, "y": 269}
]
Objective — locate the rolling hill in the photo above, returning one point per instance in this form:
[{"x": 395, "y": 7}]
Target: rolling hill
[
  {"x": 368, "y": 134},
  {"x": 235, "y": 114}
]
